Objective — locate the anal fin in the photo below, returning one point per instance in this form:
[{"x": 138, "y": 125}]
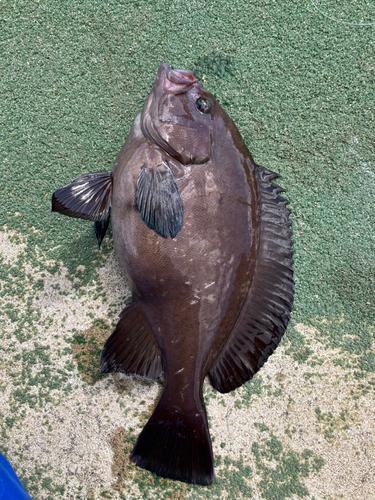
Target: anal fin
[
  {"x": 131, "y": 348},
  {"x": 266, "y": 310}
]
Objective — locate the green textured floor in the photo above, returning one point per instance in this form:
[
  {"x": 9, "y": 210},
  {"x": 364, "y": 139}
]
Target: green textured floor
[{"x": 298, "y": 79}]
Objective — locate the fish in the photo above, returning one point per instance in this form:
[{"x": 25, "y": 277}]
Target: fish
[{"x": 204, "y": 237}]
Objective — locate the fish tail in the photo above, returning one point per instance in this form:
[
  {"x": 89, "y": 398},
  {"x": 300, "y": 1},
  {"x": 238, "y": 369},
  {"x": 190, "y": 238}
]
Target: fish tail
[{"x": 176, "y": 444}]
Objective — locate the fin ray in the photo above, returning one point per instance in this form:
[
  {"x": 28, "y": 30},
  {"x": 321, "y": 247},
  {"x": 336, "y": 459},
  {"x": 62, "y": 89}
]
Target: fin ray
[
  {"x": 86, "y": 197},
  {"x": 131, "y": 348},
  {"x": 266, "y": 311},
  {"x": 101, "y": 226},
  {"x": 159, "y": 200},
  {"x": 175, "y": 444}
]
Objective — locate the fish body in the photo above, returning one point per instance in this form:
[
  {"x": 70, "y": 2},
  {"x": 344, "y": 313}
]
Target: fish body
[{"x": 204, "y": 237}]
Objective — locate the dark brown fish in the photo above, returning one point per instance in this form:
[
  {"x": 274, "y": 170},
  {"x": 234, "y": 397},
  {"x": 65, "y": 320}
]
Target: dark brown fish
[{"x": 205, "y": 239}]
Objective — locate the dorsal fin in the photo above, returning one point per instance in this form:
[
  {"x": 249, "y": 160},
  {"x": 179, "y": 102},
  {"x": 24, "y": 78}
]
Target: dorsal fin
[
  {"x": 266, "y": 311},
  {"x": 131, "y": 348}
]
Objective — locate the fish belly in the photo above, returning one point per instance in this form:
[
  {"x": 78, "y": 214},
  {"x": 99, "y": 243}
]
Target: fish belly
[{"x": 192, "y": 282}]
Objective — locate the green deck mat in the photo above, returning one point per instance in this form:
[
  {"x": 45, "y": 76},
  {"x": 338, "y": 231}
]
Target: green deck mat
[{"x": 297, "y": 78}]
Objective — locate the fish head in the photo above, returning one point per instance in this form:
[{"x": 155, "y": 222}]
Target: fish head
[{"x": 178, "y": 116}]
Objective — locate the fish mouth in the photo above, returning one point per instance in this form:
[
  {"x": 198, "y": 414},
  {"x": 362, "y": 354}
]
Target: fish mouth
[{"x": 177, "y": 81}]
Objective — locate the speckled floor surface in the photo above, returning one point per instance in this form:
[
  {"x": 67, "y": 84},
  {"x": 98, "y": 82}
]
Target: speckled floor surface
[{"x": 297, "y": 78}]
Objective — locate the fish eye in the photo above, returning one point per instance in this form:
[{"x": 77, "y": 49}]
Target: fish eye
[{"x": 203, "y": 105}]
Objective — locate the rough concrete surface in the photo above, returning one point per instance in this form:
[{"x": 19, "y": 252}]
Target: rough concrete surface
[{"x": 297, "y": 78}]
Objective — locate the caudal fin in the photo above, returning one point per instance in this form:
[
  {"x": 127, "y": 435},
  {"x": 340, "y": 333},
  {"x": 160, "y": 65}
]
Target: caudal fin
[{"x": 176, "y": 445}]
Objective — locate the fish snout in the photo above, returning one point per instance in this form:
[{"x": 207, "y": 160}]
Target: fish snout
[
  {"x": 176, "y": 81},
  {"x": 182, "y": 76},
  {"x": 179, "y": 80}
]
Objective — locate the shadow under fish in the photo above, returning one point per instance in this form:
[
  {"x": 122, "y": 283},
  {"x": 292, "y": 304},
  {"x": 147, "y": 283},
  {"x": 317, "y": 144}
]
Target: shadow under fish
[{"x": 205, "y": 238}]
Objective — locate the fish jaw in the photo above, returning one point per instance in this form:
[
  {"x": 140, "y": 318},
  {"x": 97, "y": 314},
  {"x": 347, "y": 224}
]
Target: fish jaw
[
  {"x": 179, "y": 81},
  {"x": 173, "y": 80}
]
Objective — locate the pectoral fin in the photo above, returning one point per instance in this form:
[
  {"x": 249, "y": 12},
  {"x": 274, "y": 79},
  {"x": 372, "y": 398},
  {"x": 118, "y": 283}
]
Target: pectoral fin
[
  {"x": 159, "y": 200},
  {"x": 86, "y": 197}
]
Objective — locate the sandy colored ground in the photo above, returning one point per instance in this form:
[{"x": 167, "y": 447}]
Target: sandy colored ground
[
  {"x": 302, "y": 428},
  {"x": 297, "y": 78}
]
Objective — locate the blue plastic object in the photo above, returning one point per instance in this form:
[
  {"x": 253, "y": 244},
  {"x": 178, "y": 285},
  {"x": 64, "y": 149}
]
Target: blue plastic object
[{"x": 10, "y": 486}]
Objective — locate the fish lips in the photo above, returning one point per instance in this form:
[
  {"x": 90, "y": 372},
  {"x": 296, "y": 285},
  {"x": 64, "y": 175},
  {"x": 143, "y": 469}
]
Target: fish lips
[
  {"x": 179, "y": 81},
  {"x": 176, "y": 81}
]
